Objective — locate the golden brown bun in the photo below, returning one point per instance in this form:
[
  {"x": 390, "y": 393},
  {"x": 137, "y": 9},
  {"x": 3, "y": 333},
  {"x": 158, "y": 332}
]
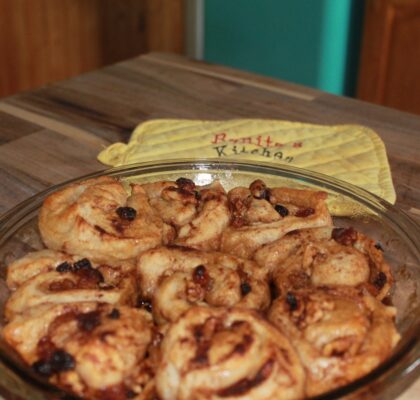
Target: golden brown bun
[
  {"x": 94, "y": 350},
  {"x": 34, "y": 263},
  {"x": 326, "y": 257},
  {"x": 218, "y": 353},
  {"x": 200, "y": 213},
  {"x": 255, "y": 221},
  {"x": 340, "y": 334},
  {"x": 78, "y": 282},
  {"x": 88, "y": 219},
  {"x": 177, "y": 278}
]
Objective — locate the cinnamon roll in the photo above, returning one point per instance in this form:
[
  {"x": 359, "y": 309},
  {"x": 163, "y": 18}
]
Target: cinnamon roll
[
  {"x": 261, "y": 215},
  {"x": 93, "y": 350},
  {"x": 34, "y": 263},
  {"x": 177, "y": 278},
  {"x": 219, "y": 353},
  {"x": 320, "y": 257},
  {"x": 275, "y": 253},
  {"x": 99, "y": 220},
  {"x": 340, "y": 333},
  {"x": 77, "y": 282}
]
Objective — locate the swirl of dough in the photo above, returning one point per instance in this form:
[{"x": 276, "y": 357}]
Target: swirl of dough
[
  {"x": 34, "y": 263},
  {"x": 46, "y": 260},
  {"x": 99, "y": 220},
  {"x": 77, "y": 282},
  {"x": 218, "y": 353},
  {"x": 326, "y": 257},
  {"x": 205, "y": 230},
  {"x": 177, "y": 278},
  {"x": 176, "y": 202},
  {"x": 212, "y": 285},
  {"x": 93, "y": 350},
  {"x": 340, "y": 333},
  {"x": 261, "y": 215},
  {"x": 380, "y": 279},
  {"x": 199, "y": 213},
  {"x": 273, "y": 254}
]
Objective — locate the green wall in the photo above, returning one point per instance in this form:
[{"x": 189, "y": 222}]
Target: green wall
[{"x": 312, "y": 42}]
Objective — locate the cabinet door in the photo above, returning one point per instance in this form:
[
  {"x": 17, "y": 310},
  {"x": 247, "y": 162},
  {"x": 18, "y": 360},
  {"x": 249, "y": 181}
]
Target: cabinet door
[
  {"x": 390, "y": 59},
  {"x": 46, "y": 40}
]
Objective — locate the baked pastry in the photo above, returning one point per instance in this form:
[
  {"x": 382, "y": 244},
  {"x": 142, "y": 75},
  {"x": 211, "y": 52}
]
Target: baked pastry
[
  {"x": 273, "y": 254},
  {"x": 94, "y": 350},
  {"x": 171, "y": 290},
  {"x": 176, "y": 278},
  {"x": 326, "y": 257},
  {"x": 34, "y": 263},
  {"x": 76, "y": 282},
  {"x": 219, "y": 353},
  {"x": 199, "y": 213},
  {"x": 261, "y": 215},
  {"x": 97, "y": 219},
  {"x": 339, "y": 333}
]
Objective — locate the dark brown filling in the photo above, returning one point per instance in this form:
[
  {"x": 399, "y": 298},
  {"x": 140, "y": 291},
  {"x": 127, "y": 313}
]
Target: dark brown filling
[
  {"x": 88, "y": 321},
  {"x": 344, "y": 236},
  {"x": 244, "y": 385},
  {"x": 304, "y": 212}
]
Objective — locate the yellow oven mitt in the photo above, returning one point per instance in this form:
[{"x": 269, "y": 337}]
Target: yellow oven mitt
[{"x": 351, "y": 153}]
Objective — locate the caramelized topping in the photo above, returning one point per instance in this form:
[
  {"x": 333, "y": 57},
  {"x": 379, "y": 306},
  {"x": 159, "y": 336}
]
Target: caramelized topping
[
  {"x": 185, "y": 183},
  {"x": 305, "y": 212},
  {"x": 88, "y": 321},
  {"x": 246, "y": 385},
  {"x": 380, "y": 280},
  {"x": 344, "y": 236},
  {"x": 259, "y": 190}
]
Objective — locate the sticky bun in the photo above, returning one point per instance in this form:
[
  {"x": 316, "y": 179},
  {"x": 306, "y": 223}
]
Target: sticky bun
[
  {"x": 340, "y": 333},
  {"x": 174, "y": 291},
  {"x": 219, "y": 353}
]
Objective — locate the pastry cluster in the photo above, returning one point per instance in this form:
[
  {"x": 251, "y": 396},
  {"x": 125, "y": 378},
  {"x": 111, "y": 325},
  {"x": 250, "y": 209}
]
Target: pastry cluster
[{"x": 174, "y": 291}]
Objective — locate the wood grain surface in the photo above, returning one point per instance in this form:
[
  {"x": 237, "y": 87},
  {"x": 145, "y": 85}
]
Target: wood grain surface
[
  {"x": 54, "y": 133},
  {"x": 46, "y": 40}
]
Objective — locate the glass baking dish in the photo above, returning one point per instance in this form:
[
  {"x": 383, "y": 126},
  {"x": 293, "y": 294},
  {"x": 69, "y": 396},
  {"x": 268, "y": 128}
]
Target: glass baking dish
[{"x": 351, "y": 206}]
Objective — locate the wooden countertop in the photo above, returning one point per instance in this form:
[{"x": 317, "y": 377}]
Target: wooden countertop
[{"x": 54, "y": 133}]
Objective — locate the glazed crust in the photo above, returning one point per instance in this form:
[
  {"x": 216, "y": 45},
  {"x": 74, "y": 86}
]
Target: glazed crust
[
  {"x": 214, "y": 353},
  {"x": 83, "y": 219}
]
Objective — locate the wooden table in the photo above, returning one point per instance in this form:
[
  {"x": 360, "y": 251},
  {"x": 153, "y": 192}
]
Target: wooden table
[{"x": 54, "y": 133}]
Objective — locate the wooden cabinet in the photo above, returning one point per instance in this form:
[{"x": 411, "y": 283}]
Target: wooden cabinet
[
  {"x": 390, "y": 59},
  {"x": 47, "y": 40}
]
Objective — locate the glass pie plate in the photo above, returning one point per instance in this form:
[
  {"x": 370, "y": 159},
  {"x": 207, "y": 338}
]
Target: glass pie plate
[{"x": 397, "y": 234}]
